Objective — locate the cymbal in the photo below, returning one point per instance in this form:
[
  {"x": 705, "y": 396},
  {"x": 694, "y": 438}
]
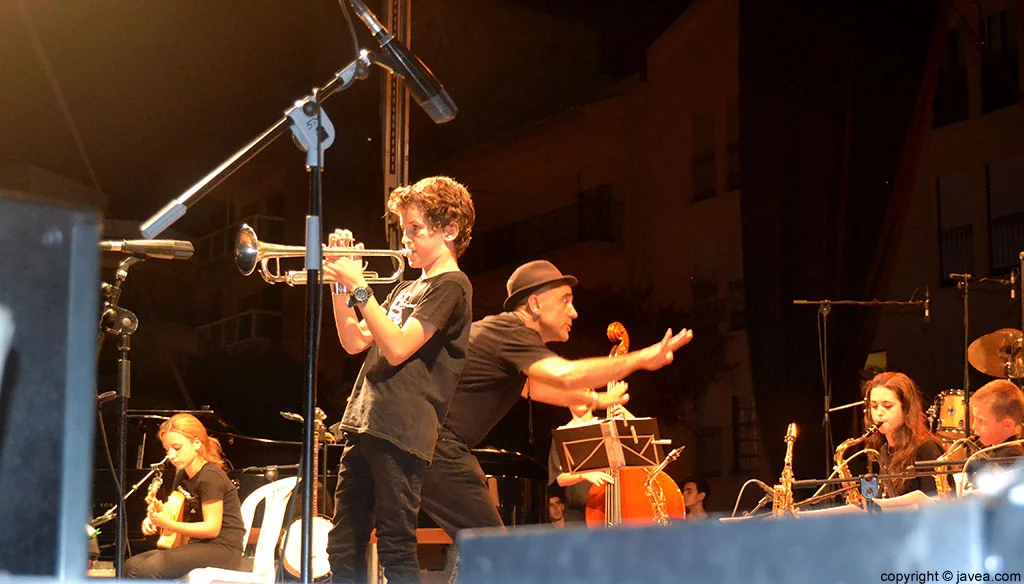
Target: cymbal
[{"x": 991, "y": 353}]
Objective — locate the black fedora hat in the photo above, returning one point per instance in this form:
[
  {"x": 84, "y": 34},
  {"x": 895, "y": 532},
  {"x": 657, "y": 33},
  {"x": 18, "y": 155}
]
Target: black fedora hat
[{"x": 532, "y": 276}]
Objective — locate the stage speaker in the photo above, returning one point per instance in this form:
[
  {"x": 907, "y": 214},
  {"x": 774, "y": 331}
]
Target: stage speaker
[
  {"x": 49, "y": 261},
  {"x": 944, "y": 542}
]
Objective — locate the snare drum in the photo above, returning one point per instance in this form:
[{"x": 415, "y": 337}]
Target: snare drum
[{"x": 950, "y": 414}]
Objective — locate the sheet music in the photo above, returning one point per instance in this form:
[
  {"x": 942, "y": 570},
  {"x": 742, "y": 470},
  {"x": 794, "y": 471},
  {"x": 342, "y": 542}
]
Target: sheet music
[{"x": 601, "y": 444}]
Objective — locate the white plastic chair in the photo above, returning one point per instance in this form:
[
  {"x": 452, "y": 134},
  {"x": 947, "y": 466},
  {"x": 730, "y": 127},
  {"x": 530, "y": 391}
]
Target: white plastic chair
[{"x": 276, "y": 495}]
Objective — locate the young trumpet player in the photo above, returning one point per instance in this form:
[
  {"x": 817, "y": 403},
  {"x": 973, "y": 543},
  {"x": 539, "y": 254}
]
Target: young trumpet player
[
  {"x": 417, "y": 340},
  {"x": 212, "y": 518}
]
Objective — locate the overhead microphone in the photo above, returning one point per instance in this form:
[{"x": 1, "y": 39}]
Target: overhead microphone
[
  {"x": 160, "y": 249},
  {"x": 423, "y": 86}
]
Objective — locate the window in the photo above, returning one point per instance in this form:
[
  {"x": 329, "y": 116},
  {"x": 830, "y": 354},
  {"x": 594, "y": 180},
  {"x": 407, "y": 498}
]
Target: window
[
  {"x": 737, "y": 305},
  {"x": 1006, "y": 214},
  {"x": 744, "y": 434},
  {"x": 1000, "y": 78},
  {"x": 705, "y": 293},
  {"x": 709, "y": 452},
  {"x": 956, "y": 233},
  {"x": 732, "y": 149},
  {"x": 705, "y": 184},
  {"x": 951, "y": 92}
]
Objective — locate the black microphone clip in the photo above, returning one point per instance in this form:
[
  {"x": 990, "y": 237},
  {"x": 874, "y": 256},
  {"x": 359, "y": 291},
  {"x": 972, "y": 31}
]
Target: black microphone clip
[{"x": 422, "y": 84}]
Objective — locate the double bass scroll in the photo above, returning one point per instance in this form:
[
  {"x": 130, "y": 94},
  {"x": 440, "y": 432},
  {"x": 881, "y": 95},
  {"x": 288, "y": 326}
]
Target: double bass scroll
[{"x": 628, "y": 498}]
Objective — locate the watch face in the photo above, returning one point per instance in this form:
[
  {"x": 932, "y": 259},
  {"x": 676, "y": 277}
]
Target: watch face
[{"x": 361, "y": 295}]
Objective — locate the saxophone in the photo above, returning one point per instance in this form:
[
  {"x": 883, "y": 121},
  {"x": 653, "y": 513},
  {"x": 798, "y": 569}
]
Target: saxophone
[
  {"x": 782, "y": 500},
  {"x": 852, "y": 492},
  {"x": 942, "y": 487},
  {"x": 655, "y": 494}
]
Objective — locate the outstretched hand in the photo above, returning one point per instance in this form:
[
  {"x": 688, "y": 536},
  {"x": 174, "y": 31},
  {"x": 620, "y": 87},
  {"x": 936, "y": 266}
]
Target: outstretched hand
[{"x": 660, "y": 354}]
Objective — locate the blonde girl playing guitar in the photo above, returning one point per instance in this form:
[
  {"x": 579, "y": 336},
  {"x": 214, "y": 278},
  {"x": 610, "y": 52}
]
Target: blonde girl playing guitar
[{"x": 211, "y": 520}]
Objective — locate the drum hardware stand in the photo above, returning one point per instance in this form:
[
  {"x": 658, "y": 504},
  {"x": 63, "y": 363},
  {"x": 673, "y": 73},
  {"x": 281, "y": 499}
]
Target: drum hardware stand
[
  {"x": 964, "y": 286},
  {"x": 121, "y": 322},
  {"x": 824, "y": 308}
]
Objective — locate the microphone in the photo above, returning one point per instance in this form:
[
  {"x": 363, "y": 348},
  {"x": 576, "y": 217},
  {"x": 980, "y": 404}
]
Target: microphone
[
  {"x": 928, "y": 303},
  {"x": 158, "y": 464},
  {"x": 160, "y": 249},
  {"x": 423, "y": 86}
]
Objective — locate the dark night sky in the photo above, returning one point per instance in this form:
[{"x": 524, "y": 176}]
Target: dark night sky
[{"x": 160, "y": 93}]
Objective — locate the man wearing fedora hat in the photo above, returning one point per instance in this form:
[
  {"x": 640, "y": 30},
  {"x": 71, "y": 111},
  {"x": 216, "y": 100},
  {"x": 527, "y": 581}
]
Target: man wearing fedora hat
[{"x": 507, "y": 358}]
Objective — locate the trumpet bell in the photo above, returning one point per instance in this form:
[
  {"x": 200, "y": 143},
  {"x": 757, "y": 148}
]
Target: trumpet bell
[
  {"x": 250, "y": 252},
  {"x": 247, "y": 250}
]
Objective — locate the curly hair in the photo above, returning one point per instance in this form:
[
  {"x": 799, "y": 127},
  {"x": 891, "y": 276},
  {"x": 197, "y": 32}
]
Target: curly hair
[
  {"x": 443, "y": 201},
  {"x": 908, "y": 437},
  {"x": 190, "y": 427}
]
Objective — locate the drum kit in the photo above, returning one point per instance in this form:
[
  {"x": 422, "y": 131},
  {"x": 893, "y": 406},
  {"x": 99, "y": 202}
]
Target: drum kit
[{"x": 998, "y": 354}]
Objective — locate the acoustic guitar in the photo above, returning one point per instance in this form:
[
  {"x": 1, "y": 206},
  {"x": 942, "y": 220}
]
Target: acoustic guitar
[
  {"x": 174, "y": 507},
  {"x": 291, "y": 550}
]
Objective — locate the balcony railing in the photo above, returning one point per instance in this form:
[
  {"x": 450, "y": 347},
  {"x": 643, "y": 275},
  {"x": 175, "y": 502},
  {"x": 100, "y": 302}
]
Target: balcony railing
[
  {"x": 1006, "y": 242},
  {"x": 593, "y": 219},
  {"x": 244, "y": 328},
  {"x": 957, "y": 248}
]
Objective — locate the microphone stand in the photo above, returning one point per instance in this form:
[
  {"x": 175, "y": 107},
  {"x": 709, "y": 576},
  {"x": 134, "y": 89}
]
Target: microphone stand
[
  {"x": 313, "y": 132},
  {"x": 824, "y": 308},
  {"x": 121, "y": 322},
  {"x": 113, "y": 511},
  {"x": 964, "y": 286}
]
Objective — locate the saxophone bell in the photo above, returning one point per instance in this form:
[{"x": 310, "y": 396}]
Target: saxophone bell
[{"x": 851, "y": 491}]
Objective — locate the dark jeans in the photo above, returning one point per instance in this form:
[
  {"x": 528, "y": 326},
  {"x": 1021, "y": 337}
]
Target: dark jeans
[
  {"x": 455, "y": 493},
  {"x": 378, "y": 485},
  {"x": 175, "y": 563}
]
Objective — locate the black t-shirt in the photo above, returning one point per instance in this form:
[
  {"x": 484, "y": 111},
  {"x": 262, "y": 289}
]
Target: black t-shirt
[
  {"x": 930, "y": 449},
  {"x": 212, "y": 484},
  {"x": 575, "y": 495},
  {"x": 405, "y": 404},
  {"x": 500, "y": 348}
]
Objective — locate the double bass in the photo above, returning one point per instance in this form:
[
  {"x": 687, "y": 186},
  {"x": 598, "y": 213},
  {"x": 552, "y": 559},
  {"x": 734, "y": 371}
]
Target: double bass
[{"x": 627, "y": 498}]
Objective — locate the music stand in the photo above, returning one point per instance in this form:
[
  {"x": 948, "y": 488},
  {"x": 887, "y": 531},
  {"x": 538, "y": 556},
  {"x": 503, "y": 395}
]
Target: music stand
[{"x": 608, "y": 444}]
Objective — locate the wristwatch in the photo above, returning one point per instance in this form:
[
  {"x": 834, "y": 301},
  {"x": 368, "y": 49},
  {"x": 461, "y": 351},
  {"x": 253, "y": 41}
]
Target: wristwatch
[{"x": 360, "y": 296}]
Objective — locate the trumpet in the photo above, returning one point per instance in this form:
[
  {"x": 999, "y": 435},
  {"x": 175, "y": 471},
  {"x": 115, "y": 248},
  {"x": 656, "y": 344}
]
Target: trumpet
[{"x": 250, "y": 251}]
